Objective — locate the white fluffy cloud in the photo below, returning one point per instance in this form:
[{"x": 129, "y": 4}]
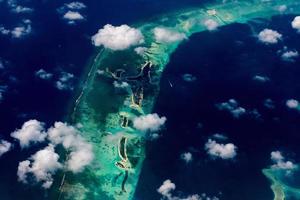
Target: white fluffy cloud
[
  {"x": 211, "y": 24},
  {"x": 289, "y": 55},
  {"x": 168, "y": 187},
  {"x": 81, "y": 153},
  {"x": 187, "y": 157},
  {"x": 4, "y": 147},
  {"x": 296, "y": 23},
  {"x": 269, "y": 36},
  {"x": 117, "y": 37},
  {"x": 42, "y": 165},
  {"x": 32, "y": 131},
  {"x": 233, "y": 107},
  {"x": 224, "y": 151},
  {"x": 166, "y": 35},
  {"x": 42, "y": 74},
  {"x": 73, "y": 16},
  {"x": 292, "y": 103},
  {"x": 150, "y": 122},
  {"x": 279, "y": 161},
  {"x": 140, "y": 50}
]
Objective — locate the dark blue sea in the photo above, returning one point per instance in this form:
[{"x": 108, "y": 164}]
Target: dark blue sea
[{"x": 223, "y": 63}]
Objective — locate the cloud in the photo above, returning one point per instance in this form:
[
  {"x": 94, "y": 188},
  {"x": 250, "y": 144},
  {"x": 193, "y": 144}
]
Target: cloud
[
  {"x": 4, "y": 147},
  {"x": 150, "y": 122},
  {"x": 21, "y": 9},
  {"x": 42, "y": 165},
  {"x": 168, "y": 187},
  {"x": 32, "y": 131},
  {"x": 292, "y": 104},
  {"x": 296, "y": 23},
  {"x": 76, "y": 5},
  {"x": 189, "y": 78},
  {"x": 117, "y": 37},
  {"x": 233, "y": 107},
  {"x": 4, "y": 31},
  {"x": 269, "y": 36},
  {"x": 269, "y": 103},
  {"x": 81, "y": 153},
  {"x": 187, "y": 157},
  {"x": 140, "y": 50},
  {"x": 42, "y": 74},
  {"x": 261, "y": 79},
  {"x": 219, "y": 136},
  {"x": 166, "y": 35},
  {"x": 65, "y": 81},
  {"x": 120, "y": 84},
  {"x": 22, "y": 30},
  {"x": 280, "y": 163},
  {"x": 73, "y": 16},
  {"x": 211, "y": 24},
  {"x": 282, "y": 8},
  {"x": 224, "y": 151},
  {"x": 289, "y": 56}
]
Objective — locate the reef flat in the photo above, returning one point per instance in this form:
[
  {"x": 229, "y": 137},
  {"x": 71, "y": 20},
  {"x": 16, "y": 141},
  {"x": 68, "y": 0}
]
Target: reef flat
[{"x": 104, "y": 113}]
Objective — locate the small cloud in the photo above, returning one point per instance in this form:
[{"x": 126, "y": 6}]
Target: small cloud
[
  {"x": 282, "y": 8},
  {"x": 42, "y": 166},
  {"x": 22, "y": 30},
  {"x": 117, "y": 37},
  {"x": 280, "y": 163},
  {"x": 269, "y": 103},
  {"x": 261, "y": 79},
  {"x": 166, "y": 35},
  {"x": 73, "y": 16},
  {"x": 121, "y": 85},
  {"x": 76, "y": 5},
  {"x": 21, "y": 9},
  {"x": 189, "y": 78},
  {"x": 233, "y": 107},
  {"x": 296, "y": 23},
  {"x": 65, "y": 81},
  {"x": 150, "y": 122},
  {"x": 224, "y": 151},
  {"x": 211, "y": 24},
  {"x": 187, "y": 157},
  {"x": 4, "y": 147},
  {"x": 166, "y": 188},
  {"x": 140, "y": 50},
  {"x": 4, "y": 31},
  {"x": 219, "y": 136},
  {"x": 292, "y": 104},
  {"x": 289, "y": 55},
  {"x": 42, "y": 74},
  {"x": 269, "y": 36},
  {"x": 31, "y": 131}
]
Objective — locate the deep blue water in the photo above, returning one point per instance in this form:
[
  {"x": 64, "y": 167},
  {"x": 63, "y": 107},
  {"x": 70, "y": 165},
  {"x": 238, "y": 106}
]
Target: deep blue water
[{"x": 224, "y": 63}]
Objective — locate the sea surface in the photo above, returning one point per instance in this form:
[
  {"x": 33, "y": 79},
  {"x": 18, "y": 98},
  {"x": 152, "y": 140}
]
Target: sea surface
[{"x": 223, "y": 62}]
